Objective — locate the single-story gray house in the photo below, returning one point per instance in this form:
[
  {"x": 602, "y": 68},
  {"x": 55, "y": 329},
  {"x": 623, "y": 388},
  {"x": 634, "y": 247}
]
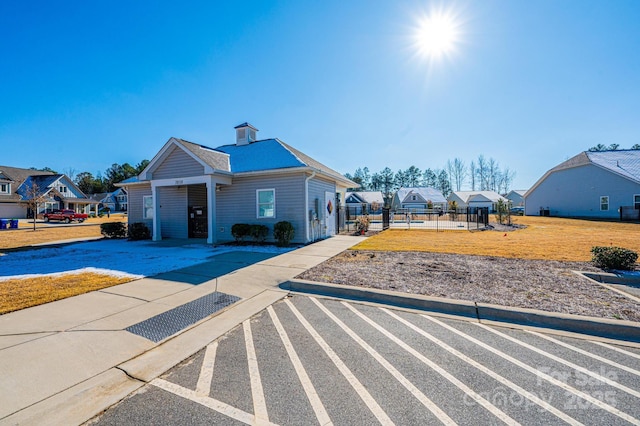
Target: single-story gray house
[
  {"x": 190, "y": 190},
  {"x": 58, "y": 191},
  {"x": 473, "y": 199},
  {"x": 516, "y": 196},
  {"x": 371, "y": 201},
  {"x": 418, "y": 199},
  {"x": 591, "y": 184}
]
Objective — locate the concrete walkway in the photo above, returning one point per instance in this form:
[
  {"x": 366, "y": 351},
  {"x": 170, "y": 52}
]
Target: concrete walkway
[{"x": 66, "y": 361}]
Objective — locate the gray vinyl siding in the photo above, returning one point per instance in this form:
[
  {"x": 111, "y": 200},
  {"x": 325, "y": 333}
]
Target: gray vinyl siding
[
  {"x": 173, "y": 211},
  {"x": 317, "y": 189},
  {"x": 12, "y": 211},
  {"x": 576, "y": 192},
  {"x": 236, "y": 203},
  {"x": 134, "y": 214},
  {"x": 178, "y": 164}
]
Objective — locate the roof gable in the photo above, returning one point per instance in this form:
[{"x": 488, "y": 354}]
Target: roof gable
[
  {"x": 365, "y": 197},
  {"x": 426, "y": 193},
  {"x": 479, "y": 196}
]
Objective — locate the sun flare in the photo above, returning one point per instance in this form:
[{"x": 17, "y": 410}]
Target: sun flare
[{"x": 437, "y": 35}]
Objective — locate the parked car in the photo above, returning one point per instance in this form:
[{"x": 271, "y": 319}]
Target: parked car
[
  {"x": 66, "y": 216},
  {"x": 517, "y": 211}
]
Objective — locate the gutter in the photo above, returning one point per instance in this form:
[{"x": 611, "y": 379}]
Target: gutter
[{"x": 306, "y": 203}]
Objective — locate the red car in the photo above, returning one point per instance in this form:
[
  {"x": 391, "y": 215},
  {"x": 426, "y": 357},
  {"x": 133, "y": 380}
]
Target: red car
[{"x": 65, "y": 215}]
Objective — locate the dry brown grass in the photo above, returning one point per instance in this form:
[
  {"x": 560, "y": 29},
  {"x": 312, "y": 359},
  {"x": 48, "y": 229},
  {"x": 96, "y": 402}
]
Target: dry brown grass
[
  {"x": 25, "y": 236},
  {"x": 24, "y": 293},
  {"x": 543, "y": 238}
]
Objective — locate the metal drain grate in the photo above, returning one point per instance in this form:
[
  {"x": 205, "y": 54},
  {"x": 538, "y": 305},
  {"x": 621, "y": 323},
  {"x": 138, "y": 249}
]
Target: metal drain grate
[{"x": 167, "y": 323}]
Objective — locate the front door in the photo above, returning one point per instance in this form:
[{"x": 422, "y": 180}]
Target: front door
[
  {"x": 198, "y": 226},
  {"x": 330, "y": 213}
]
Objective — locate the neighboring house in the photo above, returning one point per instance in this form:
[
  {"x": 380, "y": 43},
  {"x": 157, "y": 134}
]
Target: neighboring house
[
  {"x": 475, "y": 199},
  {"x": 591, "y": 184},
  {"x": 193, "y": 191},
  {"x": 516, "y": 196},
  {"x": 58, "y": 190},
  {"x": 371, "y": 201},
  {"x": 418, "y": 199},
  {"x": 116, "y": 201}
]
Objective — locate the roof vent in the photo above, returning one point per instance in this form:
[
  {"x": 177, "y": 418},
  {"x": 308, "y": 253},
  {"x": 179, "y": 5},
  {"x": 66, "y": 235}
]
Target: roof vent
[{"x": 245, "y": 134}]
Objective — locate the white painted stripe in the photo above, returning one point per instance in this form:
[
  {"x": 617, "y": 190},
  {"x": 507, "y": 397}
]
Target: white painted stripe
[
  {"x": 586, "y": 353},
  {"x": 532, "y": 397},
  {"x": 206, "y": 371},
  {"x": 477, "y": 397},
  {"x": 257, "y": 393},
  {"x": 617, "y": 349},
  {"x": 538, "y": 373},
  {"x": 441, "y": 415},
  {"x": 211, "y": 403},
  {"x": 309, "y": 389},
  {"x": 351, "y": 378},
  {"x": 569, "y": 364}
]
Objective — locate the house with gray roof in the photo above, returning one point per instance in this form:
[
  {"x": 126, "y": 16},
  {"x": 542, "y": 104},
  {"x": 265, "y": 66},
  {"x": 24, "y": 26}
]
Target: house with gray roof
[
  {"x": 115, "y": 201},
  {"x": 477, "y": 199},
  {"x": 418, "y": 198},
  {"x": 189, "y": 190},
  {"x": 368, "y": 201},
  {"x": 516, "y": 196},
  {"x": 591, "y": 184},
  {"x": 58, "y": 191}
]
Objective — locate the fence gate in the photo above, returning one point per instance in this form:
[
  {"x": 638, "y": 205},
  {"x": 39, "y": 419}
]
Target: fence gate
[{"x": 386, "y": 218}]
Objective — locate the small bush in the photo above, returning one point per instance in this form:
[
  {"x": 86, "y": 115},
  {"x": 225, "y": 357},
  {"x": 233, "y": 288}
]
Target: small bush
[
  {"x": 258, "y": 232},
  {"x": 139, "y": 231},
  {"x": 362, "y": 224},
  {"x": 614, "y": 258},
  {"x": 240, "y": 231},
  {"x": 113, "y": 229},
  {"x": 283, "y": 232}
]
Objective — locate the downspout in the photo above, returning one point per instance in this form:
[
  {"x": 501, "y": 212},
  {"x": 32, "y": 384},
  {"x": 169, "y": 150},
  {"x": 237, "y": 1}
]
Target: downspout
[{"x": 306, "y": 204}]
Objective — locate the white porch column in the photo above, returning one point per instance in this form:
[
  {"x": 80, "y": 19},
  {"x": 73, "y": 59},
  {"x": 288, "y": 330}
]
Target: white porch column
[
  {"x": 157, "y": 231},
  {"x": 211, "y": 210}
]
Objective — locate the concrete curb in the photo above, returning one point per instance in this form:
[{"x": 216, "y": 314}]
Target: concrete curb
[{"x": 627, "y": 331}]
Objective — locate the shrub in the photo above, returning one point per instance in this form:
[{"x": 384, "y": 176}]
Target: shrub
[
  {"x": 113, "y": 229},
  {"x": 614, "y": 258},
  {"x": 283, "y": 233},
  {"x": 258, "y": 232},
  {"x": 503, "y": 212},
  {"x": 139, "y": 231},
  {"x": 362, "y": 224},
  {"x": 240, "y": 231}
]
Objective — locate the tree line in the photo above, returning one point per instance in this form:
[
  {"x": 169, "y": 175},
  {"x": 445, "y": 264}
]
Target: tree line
[
  {"x": 90, "y": 184},
  {"x": 613, "y": 147},
  {"x": 480, "y": 174}
]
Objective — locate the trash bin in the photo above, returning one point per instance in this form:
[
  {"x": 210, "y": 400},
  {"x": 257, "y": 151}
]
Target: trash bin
[
  {"x": 4, "y": 223},
  {"x": 13, "y": 224}
]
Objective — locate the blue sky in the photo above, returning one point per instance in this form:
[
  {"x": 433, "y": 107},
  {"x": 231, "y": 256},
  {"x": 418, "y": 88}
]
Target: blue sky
[{"x": 89, "y": 83}]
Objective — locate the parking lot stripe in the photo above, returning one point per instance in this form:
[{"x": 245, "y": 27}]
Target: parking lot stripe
[
  {"x": 532, "y": 397},
  {"x": 473, "y": 394},
  {"x": 441, "y": 415},
  {"x": 617, "y": 349},
  {"x": 539, "y": 373},
  {"x": 257, "y": 392},
  {"x": 569, "y": 364},
  {"x": 351, "y": 378},
  {"x": 312, "y": 395},
  {"x": 208, "y": 402},
  {"x": 586, "y": 353},
  {"x": 203, "y": 387}
]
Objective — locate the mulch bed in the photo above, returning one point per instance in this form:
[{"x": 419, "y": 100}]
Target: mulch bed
[{"x": 537, "y": 284}]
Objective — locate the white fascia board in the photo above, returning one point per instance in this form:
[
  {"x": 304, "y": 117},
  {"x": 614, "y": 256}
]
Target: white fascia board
[{"x": 192, "y": 180}]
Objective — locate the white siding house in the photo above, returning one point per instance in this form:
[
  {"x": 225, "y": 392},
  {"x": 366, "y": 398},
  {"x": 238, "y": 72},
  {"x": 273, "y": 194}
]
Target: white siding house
[
  {"x": 591, "y": 184},
  {"x": 516, "y": 196},
  {"x": 193, "y": 191},
  {"x": 477, "y": 199},
  {"x": 418, "y": 199}
]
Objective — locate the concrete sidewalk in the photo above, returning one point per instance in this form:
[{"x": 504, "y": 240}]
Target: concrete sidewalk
[{"x": 66, "y": 361}]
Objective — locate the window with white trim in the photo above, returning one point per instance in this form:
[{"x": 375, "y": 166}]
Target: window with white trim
[
  {"x": 5, "y": 188},
  {"x": 636, "y": 201},
  {"x": 63, "y": 189},
  {"x": 266, "y": 203},
  {"x": 604, "y": 203},
  {"x": 147, "y": 207}
]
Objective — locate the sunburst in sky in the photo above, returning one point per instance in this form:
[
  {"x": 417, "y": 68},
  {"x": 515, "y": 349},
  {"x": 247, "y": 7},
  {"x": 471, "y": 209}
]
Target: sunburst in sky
[{"x": 438, "y": 35}]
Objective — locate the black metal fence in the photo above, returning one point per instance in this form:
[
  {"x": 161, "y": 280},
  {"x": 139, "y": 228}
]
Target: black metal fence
[{"x": 465, "y": 219}]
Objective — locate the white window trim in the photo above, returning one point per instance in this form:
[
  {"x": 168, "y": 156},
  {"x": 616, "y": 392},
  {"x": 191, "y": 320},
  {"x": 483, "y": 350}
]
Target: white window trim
[
  {"x": 144, "y": 208},
  {"x": 8, "y": 190},
  {"x": 601, "y": 203},
  {"x": 258, "y": 191},
  {"x": 634, "y": 200}
]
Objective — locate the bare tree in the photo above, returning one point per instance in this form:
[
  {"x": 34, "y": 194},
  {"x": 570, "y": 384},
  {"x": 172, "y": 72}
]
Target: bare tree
[
  {"x": 472, "y": 174},
  {"x": 482, "y": 172},
  {"x": 457, "y": 173},
  {"x": 34, "y": 198},
  {"x": 70, "y": 172}
]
